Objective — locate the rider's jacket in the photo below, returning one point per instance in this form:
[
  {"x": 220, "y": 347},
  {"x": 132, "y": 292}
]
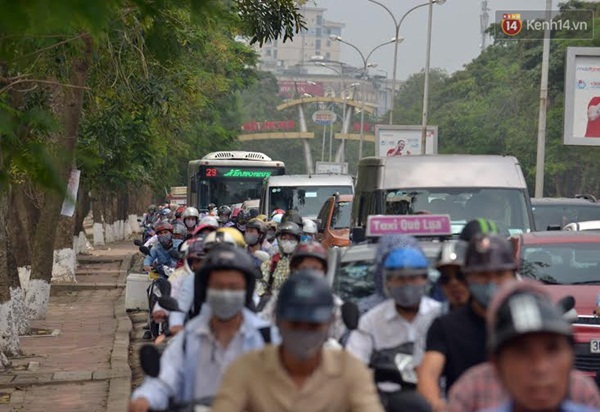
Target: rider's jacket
[
  {"x": 160, "y": 255},
  {"x": 193, "y": 363}
]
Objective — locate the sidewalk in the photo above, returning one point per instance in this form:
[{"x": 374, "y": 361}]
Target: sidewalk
[{"x": 78, "y": 359}]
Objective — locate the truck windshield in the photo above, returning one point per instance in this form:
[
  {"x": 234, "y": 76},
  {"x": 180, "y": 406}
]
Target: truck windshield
[
  {"x": 306, "y": 200},
  {"x": 505, "y": 207}
]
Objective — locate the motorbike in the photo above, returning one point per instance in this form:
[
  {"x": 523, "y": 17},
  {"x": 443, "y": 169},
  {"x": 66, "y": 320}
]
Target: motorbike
[{"x": 393, "y": 369}]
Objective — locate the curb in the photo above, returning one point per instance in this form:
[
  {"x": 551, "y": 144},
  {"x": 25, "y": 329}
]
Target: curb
[{"x": 119, "y": 388}]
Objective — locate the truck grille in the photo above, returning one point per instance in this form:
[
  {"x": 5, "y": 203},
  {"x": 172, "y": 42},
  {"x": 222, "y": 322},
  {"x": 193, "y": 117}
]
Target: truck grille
[{"x": 584, "y": 360}]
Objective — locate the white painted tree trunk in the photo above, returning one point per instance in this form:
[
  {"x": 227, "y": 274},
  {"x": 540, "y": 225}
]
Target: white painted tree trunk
[
  {"x": 98, "y": 234},
  {"x": 83, "y": 246},
  {"x": 134, "y": 225},
  {"x": 109, "y": 236},
  {"x": 9, "y": 336},
  {"x": 17, "y": 296},
  {"x": 127, "y": 230},
  {"x": 65, "y": 263},
  {"x": 118, "y": 230},
  {"x": 36, "y": 299},
  {"x": 24, "y": 274}
]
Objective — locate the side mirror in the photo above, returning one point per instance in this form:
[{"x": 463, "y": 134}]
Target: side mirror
[
  {"x": 169, "y": 303},
  {"x": 175, "y": 254},
  {"x": 358, "y": 235},
  {"x": 150, "y": 360},
  {"x": 553, "y": 227},
  {"x": 137, "y": 242},
  {"x": 144, "y": 250},
  {"x": 566, "y": 304},
  {"x": 350, "y": 315}
]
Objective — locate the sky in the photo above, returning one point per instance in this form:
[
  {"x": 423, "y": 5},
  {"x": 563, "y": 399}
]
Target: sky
[{"x": 455, "y": 35}]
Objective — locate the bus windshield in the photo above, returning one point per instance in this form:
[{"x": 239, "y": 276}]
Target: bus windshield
[
  {"x": 306, "y": 200},
  {"x": 505, "y": 207}
]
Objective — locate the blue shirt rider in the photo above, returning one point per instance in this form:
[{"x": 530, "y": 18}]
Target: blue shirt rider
[{"x": 159, "y": 253}]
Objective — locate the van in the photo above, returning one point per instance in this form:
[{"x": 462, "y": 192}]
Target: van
[
  {"x": 333, "y": 221},
  {"x": 302, "y": 193},
  {"x": 463, "y": 186}
]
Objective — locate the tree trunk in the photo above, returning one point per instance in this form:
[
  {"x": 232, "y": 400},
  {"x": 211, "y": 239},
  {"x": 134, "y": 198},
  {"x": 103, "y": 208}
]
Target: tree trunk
[
  {"x": 71, "y": 105},
  {"x": 82, "y": 210}
]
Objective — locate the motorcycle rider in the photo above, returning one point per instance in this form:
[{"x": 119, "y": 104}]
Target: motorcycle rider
[
  {"x": 224, "y": 214},
  {"x": 457, "y": 341},
  {"x": 193, "y": 363},
  {"x": 405, "y": 315},
  {"x": 179, "y": 230},
  {"x": 207, "y": 225},
  {"x": 242, "y": 219},
  {"x": 452, "y": 281},
  {"x": 190, "y": 217},
  {"x": 257, "y": 247},
  {"x": 212, "y": 210},
  {"x": 159, "y": 253},
  {"x": 481, "y": 387},
  {"x": 150, "y": 217},
  {"x": 300, "y": 374},
  {"x": 276, "y": 270},
  {"x": 309, "y": 230}
]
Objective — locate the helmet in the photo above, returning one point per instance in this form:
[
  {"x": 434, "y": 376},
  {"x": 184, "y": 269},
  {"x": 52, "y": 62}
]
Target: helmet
[
  {"x": 190, "y": 212},
  {"x": 235, "y": 234},
  {"x": 163, "y": 226},
  {"x": 243, "y": 217},
  {"x": 225, "y": 257},
  {"x": 152, "y": 209},
  {"x": 211, "y": 206},
  {"x": 195, "y": 249},
  {"x": 272, "y": 225},
  {"x": 235, "y": 213},
  {"x": 305, "y": 297},
  {"x": 165, "y": 212},
  {"x": 179, "y": 211},
  {"x": 179, "y": 228},
  {"x": 258, "y": 225},
  {"x": 292, "y": 216},
  {"x": 290, "y": 228},
  {"x": 277, "y": 218},
  {"x": 477, "y": 226},
  {"x": 277, "y": 212},
  {"x": 309, "y": 226},
  {"x": 489, "y": 253},
  {"x": 224, "y": 210},
  {"x": 215, "y": 238},
  {"x": 506, "y": 319},
  {"x": 209, "y": 221},
  {"x": 262, "y": 218},
  {"x": 309, "y": 249},
  {"x": 405, "y": 262},
  {"x": 452, "y": 254}
]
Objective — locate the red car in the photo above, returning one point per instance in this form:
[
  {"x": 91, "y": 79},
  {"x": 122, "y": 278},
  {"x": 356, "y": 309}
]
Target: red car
[{"x": 568, "y": 263}]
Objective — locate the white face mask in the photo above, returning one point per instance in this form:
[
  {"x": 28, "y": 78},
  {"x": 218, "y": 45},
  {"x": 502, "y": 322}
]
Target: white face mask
[
  {"x": 287, "y": 246},
  {"x": 225, "y": 304}
]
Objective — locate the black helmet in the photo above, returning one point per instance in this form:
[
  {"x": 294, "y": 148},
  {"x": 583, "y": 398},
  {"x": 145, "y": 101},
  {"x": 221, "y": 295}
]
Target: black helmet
[
  {"x": 309, "y": 249},
  {"x": 224, "y": 210},
  {"x": 305, "y": 297},
  {"x": 252, "y": 212},
  {"x": 452, "y": 253},
  {"x": 507, "y": 320},
  {"x": 211, "y": 206},
  {"x": 478, "y": 226},
  {"x": 290, "y": 228},
  {"x": 243, "y": 217},
  {"x": 489, "y": 253},
  {"x": 258, "y": 225},
  {"x": 292, "y": 216},
  {"x": 223, "y": 256},
  {"x": 195, "y": 249}
]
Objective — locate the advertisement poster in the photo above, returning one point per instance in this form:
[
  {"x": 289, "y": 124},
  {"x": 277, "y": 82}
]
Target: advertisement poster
[
  {"x": 68, "y": 207},
  {"x": 398, "y": 140},
  {"x": 582, "y": 97}
]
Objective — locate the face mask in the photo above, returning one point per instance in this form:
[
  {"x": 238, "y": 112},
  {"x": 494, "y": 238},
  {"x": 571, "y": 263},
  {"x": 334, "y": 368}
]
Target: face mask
[
  {"x": 251, "y": 240},
  {"x": 303, "y": 344},
  {"x": 407, "y": 296},
  {"x": 165, "y": 240},
  {"x": 271, "y": 235},
  {"x": 225, "y": 304},
  {"x": 483, "y": 292},
  {"x": 287, "y": 246},
  {"x": 306, "y": 238},
  {"x": 190, "y": 222},
  {"x": 224, "y": 218}
]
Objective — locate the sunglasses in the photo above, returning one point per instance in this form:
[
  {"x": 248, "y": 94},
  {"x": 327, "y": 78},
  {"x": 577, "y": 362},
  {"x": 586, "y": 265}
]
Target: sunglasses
[{"x": 446, "y": 278}]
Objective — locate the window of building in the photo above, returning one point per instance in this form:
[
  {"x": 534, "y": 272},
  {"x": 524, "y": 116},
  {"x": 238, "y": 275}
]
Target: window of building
[
  {"x": 319, "y": 20},
  {"x": 328, "y": 43},
  {"x": 318, "y": 44},
  {"x": 318, "y": 32},
  {"x": 275, "y": 54}
]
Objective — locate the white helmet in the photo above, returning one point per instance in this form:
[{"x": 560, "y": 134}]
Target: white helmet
[
  {"x": 218, "y": 237},
  {"x": 277, "y": 218},
  {"x": 210, "y": 221},
  {"x": 190, "y": 212},
  {"x": 309, "y": 226}
]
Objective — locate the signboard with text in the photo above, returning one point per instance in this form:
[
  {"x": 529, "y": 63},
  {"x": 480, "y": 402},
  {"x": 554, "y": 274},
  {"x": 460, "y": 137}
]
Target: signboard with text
[
  {"x": 399, "y": 140},
  {"x": 332, "y": 168},
  {"x": 413, "y": 225},
  {"x": 324, "y": 117}
]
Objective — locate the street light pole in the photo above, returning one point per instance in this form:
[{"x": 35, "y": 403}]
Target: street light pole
[
  {"x": 426, "y": 81},
  {"x": 343, "y": 107}
]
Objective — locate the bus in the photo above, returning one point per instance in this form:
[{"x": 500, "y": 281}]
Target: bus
[{"x": 229, "y": 178}]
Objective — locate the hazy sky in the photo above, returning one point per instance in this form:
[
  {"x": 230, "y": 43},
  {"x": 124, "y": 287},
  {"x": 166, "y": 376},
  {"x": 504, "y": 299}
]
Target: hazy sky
[{"x": 456, "y": 31}]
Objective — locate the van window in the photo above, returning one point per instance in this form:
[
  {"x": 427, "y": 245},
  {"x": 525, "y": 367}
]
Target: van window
[
  {"x": 506, "y": 207},
  {"x": 340, "y": 219},
  {"x": 306, "y": 200}
]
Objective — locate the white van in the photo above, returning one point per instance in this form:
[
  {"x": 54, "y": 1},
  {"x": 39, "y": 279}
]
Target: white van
[
  {"x": 304, "y": 193},
  {"x": 464, "y": 186}
]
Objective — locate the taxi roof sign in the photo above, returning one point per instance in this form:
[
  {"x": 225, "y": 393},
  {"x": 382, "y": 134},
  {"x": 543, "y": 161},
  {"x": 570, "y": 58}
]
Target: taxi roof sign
[{"x": 414, "y": 225}]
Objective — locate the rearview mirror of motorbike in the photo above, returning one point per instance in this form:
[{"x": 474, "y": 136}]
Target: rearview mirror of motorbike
[
  {"x": 566, "y": 304},
  {"x": 175, "y": 254},
  {"x": 169, "y": 303},
  {"x": 150, "y": 360},
  {"x": 350, "y": 315},
  {"x": 137, "y": 242},
  {"x": 144, "y": 250}
]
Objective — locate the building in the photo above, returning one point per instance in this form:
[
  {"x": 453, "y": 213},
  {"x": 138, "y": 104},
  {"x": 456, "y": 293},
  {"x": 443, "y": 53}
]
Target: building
[{"x": 277, "y": 56}]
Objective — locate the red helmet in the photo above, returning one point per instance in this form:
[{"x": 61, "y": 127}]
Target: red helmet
[
  {"x": 163, "y": 226},
  {"x": 309, "y": 249}
]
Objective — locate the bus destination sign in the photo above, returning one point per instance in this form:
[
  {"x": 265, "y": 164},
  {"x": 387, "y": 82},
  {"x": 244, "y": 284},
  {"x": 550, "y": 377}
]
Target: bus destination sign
[{"x": 231, "y": 172}]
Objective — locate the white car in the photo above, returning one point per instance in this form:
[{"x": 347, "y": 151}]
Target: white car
[{"x": 589, "y": 225}]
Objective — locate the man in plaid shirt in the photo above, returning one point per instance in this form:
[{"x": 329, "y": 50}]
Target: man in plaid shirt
[{"x": 542, "y": 376}]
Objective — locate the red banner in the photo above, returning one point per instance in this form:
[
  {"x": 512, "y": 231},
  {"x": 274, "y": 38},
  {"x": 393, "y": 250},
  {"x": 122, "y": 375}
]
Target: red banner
[
  {"x": 269, "y": 126},
  {"x": 289, "y": 89}
]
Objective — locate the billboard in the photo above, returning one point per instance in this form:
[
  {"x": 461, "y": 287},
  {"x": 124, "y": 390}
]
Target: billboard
[
  {"x": 290, "y": 88},
  {"x": 399, "y": 140},
  {"x": 582, "y": 96},
  {"x": 332, "y": 168}
]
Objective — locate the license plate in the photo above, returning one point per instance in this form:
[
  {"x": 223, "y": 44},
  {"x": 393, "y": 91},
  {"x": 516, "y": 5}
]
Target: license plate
[{"x": 595, "y": 346}]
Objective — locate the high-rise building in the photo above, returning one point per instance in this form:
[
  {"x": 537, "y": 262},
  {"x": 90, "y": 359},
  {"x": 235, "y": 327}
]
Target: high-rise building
[{"x": 314, "y": 41}]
